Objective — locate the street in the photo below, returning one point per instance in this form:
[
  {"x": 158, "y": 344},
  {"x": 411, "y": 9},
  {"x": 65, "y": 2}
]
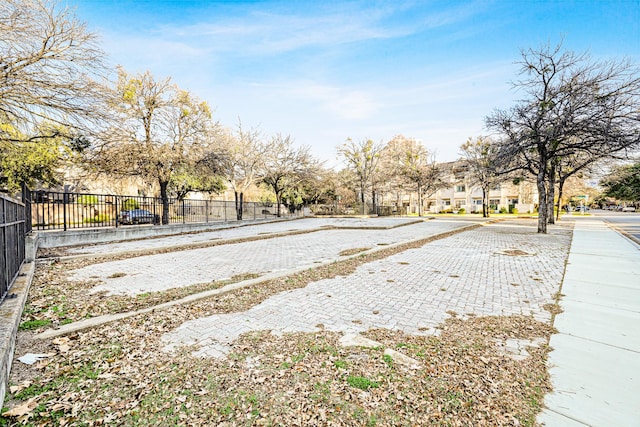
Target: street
[{"x": 628, "y": 222}]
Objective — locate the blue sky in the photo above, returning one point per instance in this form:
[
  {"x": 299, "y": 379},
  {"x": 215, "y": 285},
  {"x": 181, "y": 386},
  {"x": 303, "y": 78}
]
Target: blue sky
[{"x": 326, "y": 71}]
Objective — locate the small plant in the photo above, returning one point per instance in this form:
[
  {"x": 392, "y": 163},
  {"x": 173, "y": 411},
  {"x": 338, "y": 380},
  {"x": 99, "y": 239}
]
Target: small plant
[
  {"x": 362, "y": 383},
  {"x": 30, "y": 325},
  {"x": 503, "y": 210},
  {"x": 340, "y": 364},
  {"x": 461, "y": 211},
  {"x": 388, "y": 359},
  {"x": 513, "y": 210},
  {"x": 97, "y": 219}
]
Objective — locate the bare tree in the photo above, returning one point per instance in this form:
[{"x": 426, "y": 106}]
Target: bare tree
[
  {"x": 363, "y": 158},
  {"x": 574, "y": 106},
  {"x": 47, "y": 61},
  {"x": 162, "y": 129},
  {"x": 481, "y": 156},
  {"x": 414, "y": 165},
  {"x": 239, "y": 157},
  {"x": 285, "y": 166}
]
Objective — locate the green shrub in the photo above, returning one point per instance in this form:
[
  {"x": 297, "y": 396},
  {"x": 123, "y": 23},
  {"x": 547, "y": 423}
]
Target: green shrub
[
  {"x": 503, "y": 210},
  {"x": 130, "y": 204},
  {"x": 87, "y": 200},
  {"x": 462, "y": 211},
  {"x": 513, "y": 211},
  {"x": 97, "y": 219}
]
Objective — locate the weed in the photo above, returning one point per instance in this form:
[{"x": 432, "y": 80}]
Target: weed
[
  {"x": 362, "y": 383},
  {"x": 340, "y": 364},
  {"x": 388, "y": 359},
  {"x": 30, "y": 325}
]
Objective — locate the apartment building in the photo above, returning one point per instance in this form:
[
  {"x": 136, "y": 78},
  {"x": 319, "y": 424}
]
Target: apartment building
[{"x": 462, "y": 192}]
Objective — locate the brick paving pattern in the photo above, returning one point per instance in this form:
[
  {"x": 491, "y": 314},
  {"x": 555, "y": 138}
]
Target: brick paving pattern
[
  {"x": 499, "y": 269},
  {"x": 183, "y": 268},
  {"x": 234, "y": 231}
]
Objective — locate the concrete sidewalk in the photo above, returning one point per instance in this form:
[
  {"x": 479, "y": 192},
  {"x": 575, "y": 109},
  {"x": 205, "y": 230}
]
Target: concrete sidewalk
[{"x": 595, "y": 362}]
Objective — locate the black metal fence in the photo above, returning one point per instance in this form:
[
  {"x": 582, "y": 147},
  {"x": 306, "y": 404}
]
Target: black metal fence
[
  {"x": 12, "y": 239},
  {"x": 58, "y": 210}
]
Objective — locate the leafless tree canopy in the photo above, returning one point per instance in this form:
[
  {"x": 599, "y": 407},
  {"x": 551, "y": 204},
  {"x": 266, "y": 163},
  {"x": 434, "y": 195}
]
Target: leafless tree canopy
[
  {"x": 285, "y": 165},
  {"x": 363, "y": 157},
  {"x": 413, "y": 166},
  {"x": 572, "y": 106},
  {"x": 48, "y": 62},
  {"x": 481, "y": 157},
  {"x": 238, "y": 156}
]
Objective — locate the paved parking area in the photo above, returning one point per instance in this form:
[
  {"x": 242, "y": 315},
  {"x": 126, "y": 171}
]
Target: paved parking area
[
  {"x": 235, "y": 231},
  {"x": 500, "y": 269},
  {"x": 164, "y": 271}
]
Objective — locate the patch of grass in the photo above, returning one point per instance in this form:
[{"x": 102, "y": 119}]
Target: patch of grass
[
  {"x": 322, "y": 391},
  {"x": 388, "y": 359},
  {"x": 31, "y": 325},
  {"x": 362, "y": 383},
  {"x": 340, "y": 364}
]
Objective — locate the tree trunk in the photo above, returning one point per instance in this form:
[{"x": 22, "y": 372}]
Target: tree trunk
[
  {"x": 485, "y": 202},
  {"x": 419, "y": 200},
  {"x": 560, "y": 185},
  {"x": 543, "y": 209},
  {"x": 551, "y": 193},
  {"x": 239, "y": 197},
  {"x": 164, "y": 196},
  {"x": 373, "y": 200},
  {"x": 278, "y": 201}
]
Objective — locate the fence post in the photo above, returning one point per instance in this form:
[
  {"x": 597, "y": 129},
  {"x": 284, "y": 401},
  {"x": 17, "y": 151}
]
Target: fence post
[
  {"x": 206, "y": 211},
  {"x": 184, "y": 214},
  {"x": 65, "y": 198}
]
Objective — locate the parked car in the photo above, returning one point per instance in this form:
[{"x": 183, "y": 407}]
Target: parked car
[
  {"x": 138, "y": 216},
  {"x": 629, "y": 209}
]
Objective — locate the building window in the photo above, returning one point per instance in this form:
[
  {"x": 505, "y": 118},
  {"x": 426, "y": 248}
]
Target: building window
[
  {"x": 446, "y": 202},
  {"x": 460, "y": 188},
  {"x": 477, "y": 201}
]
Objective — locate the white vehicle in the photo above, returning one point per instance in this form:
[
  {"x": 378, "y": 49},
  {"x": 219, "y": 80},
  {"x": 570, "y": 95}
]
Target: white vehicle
[{"x": 629, "y": 209}]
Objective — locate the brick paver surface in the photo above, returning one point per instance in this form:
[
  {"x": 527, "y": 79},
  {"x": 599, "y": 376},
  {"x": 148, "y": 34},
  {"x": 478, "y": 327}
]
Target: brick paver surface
[
  {"x": 234, "y": 231},
  {"x": 183, "y": 268},
  {"x": 500, "y": 269}
]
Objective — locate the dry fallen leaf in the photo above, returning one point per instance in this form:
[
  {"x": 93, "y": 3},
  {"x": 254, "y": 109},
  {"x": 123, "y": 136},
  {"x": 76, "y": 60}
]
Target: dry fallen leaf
[
  {"x": 15, "y": 389},
  {"x": 24, "y": 409}
]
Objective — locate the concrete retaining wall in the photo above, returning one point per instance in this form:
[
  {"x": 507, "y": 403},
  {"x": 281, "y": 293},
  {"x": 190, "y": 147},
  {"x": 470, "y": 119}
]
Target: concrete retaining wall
[
  {"x": 59, "y": 238},
  {"x": 10, "y": 314}
]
